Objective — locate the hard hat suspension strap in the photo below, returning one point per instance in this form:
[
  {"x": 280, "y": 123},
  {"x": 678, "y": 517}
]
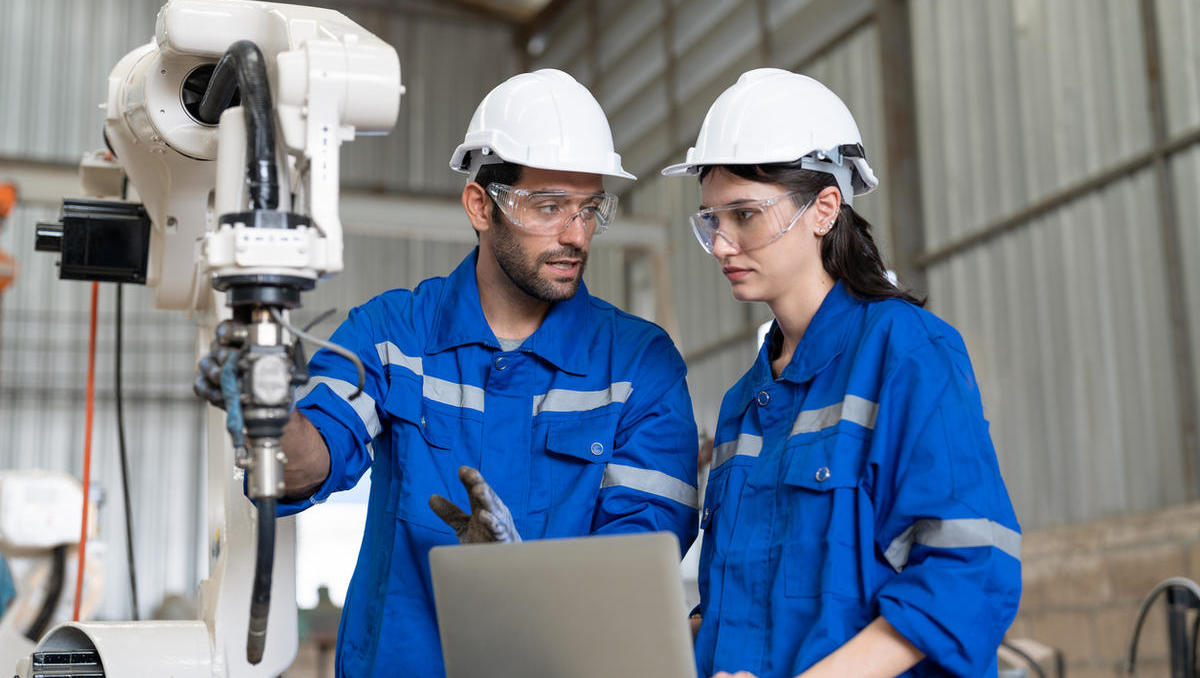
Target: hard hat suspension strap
[{"x": 838, "y": 168}]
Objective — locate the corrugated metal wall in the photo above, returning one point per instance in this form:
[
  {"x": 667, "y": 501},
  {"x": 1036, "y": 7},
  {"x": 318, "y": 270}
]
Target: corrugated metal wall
[
  {"x": 1064, "y": 305},
  {"x": 1066, "y": 313}
]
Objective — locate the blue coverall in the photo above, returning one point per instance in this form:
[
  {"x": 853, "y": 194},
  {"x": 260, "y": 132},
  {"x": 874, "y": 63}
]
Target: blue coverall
[
  {"x": 862, "y": 482},
  {"x": 586, "y": 428}
]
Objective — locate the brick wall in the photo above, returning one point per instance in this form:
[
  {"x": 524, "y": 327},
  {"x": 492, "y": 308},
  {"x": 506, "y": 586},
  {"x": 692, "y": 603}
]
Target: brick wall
[{"x": 1084, "y": 585}]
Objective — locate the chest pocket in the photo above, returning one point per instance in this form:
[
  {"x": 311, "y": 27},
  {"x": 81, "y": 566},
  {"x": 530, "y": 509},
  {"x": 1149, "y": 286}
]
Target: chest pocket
[
  {"x": 823, "y": 522},
  {"x": 428, "y": 444},
  {"x": 570, "y": 472}
]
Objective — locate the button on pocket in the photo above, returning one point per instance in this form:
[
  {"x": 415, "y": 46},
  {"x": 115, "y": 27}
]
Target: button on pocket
[
  {"x": 819, "y": 528},
  {"x": 568, "y": 475}
]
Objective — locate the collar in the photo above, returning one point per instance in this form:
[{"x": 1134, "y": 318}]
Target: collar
[
  {"x": 823, "y": 340},
  {"x": 460, "y": 321}
]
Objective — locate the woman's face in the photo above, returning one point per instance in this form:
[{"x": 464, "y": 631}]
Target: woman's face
[{"x": 768, "y": 272}]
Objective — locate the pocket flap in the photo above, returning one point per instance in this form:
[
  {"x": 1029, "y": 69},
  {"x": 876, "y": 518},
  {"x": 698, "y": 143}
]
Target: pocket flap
[
  {"x": 585, "y": 439},
  {"x": 832, "y": 461},
  {"x": 404, "y": 404}
]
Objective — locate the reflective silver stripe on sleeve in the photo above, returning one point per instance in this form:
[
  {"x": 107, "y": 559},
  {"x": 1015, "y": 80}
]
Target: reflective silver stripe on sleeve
[
  {"x": 953, "y": 534},
  {"x": 390, "y": 354},
  {"x": 563, "y": 400},
  {"x": 749, "y": 445},
  {"x": 364, "y": 405},
  {"x": 650, "y": 482},
  {"x": 450, "y": 393},
  {"x": 858, "y": 410}
]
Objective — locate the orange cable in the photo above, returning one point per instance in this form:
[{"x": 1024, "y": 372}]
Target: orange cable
[{"x": 87, "y": 447}]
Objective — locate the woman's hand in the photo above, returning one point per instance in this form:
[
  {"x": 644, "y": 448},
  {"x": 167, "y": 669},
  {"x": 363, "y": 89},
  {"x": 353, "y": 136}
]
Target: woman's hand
[{"x": 876, "y": 651}]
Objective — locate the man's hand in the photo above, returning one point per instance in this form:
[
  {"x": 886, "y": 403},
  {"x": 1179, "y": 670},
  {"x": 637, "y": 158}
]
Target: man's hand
[
  {"x": 489, "y": 519},
  {"x": 228, "y": 341}
]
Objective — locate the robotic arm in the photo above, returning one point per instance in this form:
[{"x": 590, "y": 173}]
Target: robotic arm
[{"x": 228, "y": 125}]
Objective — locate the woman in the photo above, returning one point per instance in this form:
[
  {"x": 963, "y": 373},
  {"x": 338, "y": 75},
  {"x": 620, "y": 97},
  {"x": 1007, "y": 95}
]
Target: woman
[{"x": 856, "y": 523}]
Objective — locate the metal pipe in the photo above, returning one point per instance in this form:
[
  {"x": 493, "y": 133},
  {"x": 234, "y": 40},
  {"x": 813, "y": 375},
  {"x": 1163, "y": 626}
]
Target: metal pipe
[
  {"x": 902, "y": 163},
  {"x": 1059, "y": 198},
  {"x": 1173, "y": 264}
]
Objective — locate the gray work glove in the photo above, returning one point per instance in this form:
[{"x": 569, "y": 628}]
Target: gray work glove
[
  {"x": 489, "y": 519},
  {"x": 228, "y": 340}
]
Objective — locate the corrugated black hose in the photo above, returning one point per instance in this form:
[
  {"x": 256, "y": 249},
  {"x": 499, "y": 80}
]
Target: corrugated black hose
[
  {"x": 243, "y": 71},
  {"x": 264, "y": 563}
]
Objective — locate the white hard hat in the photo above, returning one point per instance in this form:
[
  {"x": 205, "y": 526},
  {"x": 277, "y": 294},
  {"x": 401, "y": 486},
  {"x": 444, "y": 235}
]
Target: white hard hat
[
  {"x": 774, "y": 116},
  {"x": 543, "y": 119}
]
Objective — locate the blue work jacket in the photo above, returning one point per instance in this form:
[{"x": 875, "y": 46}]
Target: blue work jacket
[
  {"x": 861, "y": 482},
  {"x": 586, "y": 428}
]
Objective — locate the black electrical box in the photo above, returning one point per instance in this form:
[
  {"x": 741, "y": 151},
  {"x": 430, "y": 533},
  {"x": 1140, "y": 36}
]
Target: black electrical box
[{"x": 102, "y": 240}]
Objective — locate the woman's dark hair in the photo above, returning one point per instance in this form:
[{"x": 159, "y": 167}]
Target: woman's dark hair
[
  {"x": 498, "y": 173},
  {"x": 848, "y": 251}
]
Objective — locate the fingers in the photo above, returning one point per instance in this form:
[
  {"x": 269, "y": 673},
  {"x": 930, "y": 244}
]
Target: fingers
[
  {"x": 497, "y": 528},
  {"x": 208, "y": 379},
  {"x": 203, "y": 388},
  {"x": 230, "y": 333},
  {"x": 483, "y": 498},
  {"x": 470, "y": 477},
  {"x": 450, "y": 514},
  {"x": 210, "y": 368},
  {"x": 481, "y": 495}
]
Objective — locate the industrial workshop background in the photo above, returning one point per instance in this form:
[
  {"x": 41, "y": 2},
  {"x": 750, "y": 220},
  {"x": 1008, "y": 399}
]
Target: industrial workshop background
[{"x": 1039, "y": 163}]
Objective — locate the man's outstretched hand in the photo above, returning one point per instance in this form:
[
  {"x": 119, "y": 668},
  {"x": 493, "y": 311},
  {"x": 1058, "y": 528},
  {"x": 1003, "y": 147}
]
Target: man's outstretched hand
[{"x": 489, "y": 519}]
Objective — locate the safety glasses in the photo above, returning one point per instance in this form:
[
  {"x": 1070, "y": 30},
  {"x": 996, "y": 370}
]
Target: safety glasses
[
  {"x": 745, "y": 225},
  {"x": 551, "y": 212}
]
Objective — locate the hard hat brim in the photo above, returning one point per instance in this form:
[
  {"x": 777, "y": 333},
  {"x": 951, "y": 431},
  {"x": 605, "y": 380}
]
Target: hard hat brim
[
  {"x": 457, "y": 163},
  {"x": 681, "y": 169}
]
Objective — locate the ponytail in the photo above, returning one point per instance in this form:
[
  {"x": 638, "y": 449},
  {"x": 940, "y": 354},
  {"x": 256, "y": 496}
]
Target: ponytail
[
  {"x": 848, "y": 253},
  {"x": 848, "y": 250}
]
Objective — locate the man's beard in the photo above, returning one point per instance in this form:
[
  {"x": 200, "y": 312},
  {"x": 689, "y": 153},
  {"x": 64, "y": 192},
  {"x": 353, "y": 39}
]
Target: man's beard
[{"x": 525, "y": 274}]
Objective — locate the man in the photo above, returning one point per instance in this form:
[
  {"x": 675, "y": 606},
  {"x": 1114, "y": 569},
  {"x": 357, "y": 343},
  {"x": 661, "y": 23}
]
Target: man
[{"x": 576, "y": 413}]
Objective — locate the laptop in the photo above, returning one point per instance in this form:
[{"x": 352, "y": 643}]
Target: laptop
[{"x": 592, "y": 607}]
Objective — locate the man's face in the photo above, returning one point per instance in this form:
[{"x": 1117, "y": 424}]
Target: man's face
[{"x": 546, "y": 267}]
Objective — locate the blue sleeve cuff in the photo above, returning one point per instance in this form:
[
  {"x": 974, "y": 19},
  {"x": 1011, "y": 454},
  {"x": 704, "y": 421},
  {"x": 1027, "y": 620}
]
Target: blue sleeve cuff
[{"x": 337, "y": 437}]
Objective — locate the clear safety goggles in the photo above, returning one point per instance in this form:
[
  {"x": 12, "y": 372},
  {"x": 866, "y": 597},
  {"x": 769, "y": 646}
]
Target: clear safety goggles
[
  {"x": 551, "y": 212},
  {"x": 745, "y": 225}
]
